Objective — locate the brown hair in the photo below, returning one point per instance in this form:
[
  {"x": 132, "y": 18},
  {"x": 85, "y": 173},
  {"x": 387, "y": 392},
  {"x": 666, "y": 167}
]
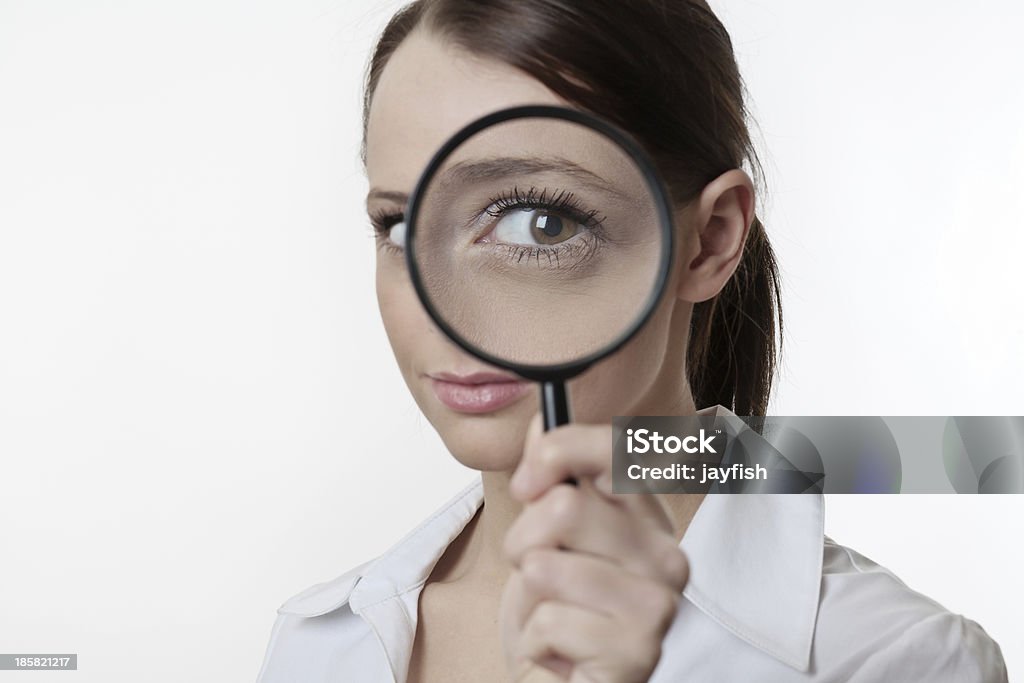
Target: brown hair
[{"x": 663, "y": 70}]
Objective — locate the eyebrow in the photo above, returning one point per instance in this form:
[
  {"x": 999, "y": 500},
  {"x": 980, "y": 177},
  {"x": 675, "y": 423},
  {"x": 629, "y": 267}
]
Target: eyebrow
[
  {"x": 471, "y": 171},
  {"x": 498, "y": 167},
  {"x": 390, "y": 195}
]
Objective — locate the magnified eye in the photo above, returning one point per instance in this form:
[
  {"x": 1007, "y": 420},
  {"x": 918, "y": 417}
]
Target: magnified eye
[{"x": 535, "y": 226}]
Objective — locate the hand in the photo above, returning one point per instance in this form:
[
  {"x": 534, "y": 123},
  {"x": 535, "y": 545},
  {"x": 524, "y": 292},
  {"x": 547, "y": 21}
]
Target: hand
[{"x": 597, "y": 577}]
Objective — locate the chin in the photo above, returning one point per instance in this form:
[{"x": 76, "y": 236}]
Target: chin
[{"x": 490, "y": 442}]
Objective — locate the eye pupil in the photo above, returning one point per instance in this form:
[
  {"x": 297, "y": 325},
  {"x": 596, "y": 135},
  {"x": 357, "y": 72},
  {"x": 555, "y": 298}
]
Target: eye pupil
[{"x": 549, "y": 225}]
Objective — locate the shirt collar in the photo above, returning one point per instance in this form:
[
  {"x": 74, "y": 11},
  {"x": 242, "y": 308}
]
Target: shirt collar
[
  {"x": 404, "y": 566},
  {"x": 755, "y": 565}
]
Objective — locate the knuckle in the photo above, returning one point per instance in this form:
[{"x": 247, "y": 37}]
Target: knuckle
[
  {"x": 566, "y": 504},
  {"x": 537, "y": 569},
  {"x": 550, "y": 453},
  {"x": 544, "y": 620},
  {"x": 676, "y": 566}
]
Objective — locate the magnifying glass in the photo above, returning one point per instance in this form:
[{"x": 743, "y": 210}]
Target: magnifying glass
[{"x": 539, "y": 240}]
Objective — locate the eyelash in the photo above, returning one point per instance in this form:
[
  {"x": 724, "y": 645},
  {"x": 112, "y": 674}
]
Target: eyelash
[
  {"x": 382, "y": 221},
  {"x": 561, "y": 201}
]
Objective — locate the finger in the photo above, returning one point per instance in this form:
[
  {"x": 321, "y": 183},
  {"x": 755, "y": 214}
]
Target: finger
[
  {"x": 636, "y": 602},
  {"x": 524, "y": 669},
  {"x": 597, "y": 648},
  {"x": 579, "y": 520},
  {"x": 582, "y": 452},
  {"x": 559, "y": 630},
  {"x": 552, "y": 670},
  {"x": 551, "y": 457}
]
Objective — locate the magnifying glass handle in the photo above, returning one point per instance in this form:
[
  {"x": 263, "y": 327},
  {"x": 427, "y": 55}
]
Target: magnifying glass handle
[
  {"x": 555, "y": 404},
  {"x": 554, "y": 400}
]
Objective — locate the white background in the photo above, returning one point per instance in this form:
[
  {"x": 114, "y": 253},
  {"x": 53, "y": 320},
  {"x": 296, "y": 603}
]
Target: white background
[{"x": 199, "y": 412}]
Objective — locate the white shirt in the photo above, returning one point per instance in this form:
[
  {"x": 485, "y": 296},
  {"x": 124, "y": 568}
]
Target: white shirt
[{"x": 770, "y": 598}]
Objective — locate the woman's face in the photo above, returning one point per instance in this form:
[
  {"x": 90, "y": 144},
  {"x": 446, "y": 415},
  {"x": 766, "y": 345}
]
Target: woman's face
[{"x": 428, "y": 90}]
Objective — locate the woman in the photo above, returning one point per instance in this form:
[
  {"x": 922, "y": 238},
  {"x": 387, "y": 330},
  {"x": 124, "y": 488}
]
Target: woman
[{"x": 520, "y": 576}]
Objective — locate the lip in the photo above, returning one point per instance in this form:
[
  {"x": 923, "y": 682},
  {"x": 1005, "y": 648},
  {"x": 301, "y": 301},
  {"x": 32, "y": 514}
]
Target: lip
[{"x": 477, "y": 392}]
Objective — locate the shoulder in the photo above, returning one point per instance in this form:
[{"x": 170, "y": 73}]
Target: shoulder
[{"x": 894, "y": 632}]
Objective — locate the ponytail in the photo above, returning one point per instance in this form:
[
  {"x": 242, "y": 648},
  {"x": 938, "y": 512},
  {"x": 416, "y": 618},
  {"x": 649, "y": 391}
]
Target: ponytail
[{"x": 732, "y": 354}]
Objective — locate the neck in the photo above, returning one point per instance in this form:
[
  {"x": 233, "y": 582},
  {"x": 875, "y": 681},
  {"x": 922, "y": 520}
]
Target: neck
[
  {"x": 499, "y": 511},
  {"x": 475, "y": 558}
]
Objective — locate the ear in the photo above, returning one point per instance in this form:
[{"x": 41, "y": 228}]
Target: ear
[{"x": 719, "y": 224}]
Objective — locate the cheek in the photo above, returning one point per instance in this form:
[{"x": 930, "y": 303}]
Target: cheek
[
  {"x": 404, "y": 319},
  {"x": 620, "y": 382}
]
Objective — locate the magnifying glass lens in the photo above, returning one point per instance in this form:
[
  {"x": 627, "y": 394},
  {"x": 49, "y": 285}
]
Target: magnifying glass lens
[{"x": 538, "y": 241}]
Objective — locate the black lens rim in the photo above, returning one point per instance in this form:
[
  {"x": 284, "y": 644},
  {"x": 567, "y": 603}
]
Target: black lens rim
[{"x": 560, "y": 371}]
